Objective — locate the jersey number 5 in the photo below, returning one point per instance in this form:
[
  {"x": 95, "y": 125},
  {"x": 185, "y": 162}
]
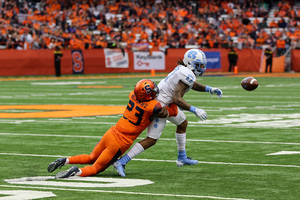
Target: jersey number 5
[{"x": 138, "y": 112}]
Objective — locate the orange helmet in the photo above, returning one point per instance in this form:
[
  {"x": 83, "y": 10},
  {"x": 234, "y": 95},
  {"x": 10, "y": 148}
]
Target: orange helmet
[{"x": 145, "y": 90}]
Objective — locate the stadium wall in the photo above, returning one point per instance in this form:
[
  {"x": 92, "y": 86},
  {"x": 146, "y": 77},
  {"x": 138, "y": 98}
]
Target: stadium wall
[
  {"x": 41, "y": 62},
  {"x": 295, "y": 60}
]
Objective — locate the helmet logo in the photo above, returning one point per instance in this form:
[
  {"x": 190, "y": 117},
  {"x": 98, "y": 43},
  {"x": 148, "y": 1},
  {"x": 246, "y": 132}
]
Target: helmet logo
[
  {"x": 148, "y": 89},
  {"x": 192, "y": 53}
]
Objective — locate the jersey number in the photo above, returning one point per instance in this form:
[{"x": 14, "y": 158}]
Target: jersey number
[{"x": 138, "y": 113}]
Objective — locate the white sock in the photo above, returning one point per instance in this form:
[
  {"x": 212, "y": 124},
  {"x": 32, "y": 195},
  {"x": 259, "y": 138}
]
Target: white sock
[
  {"x": 135, "y": 150},
  {"x": 67, "y": 161},
  {"x": 78, "y": 173},
  {"x": 180, "y": 138}
]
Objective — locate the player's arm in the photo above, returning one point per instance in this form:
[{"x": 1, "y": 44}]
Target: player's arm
[
  {"x": 199, "y": 87},
  {"x": 180, "y": 102},
  {"x": 204, "y": 88},
  {"x": 178, "y": 94},
  {"x": 163, "y": 112}
]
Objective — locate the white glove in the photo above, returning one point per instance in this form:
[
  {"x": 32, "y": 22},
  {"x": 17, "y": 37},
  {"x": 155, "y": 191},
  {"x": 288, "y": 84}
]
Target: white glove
[
  {"x": 216, "y": 91},
  {"x": 201, "y": 114}
]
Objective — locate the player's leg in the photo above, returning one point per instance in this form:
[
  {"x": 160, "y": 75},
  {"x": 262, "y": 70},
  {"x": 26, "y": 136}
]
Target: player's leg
[
  {"x": 79, "y": 159},
  {"x": 107, "y": 157},
  {"x": 113, "y": 149},
  {"x": 154, "y": 132},
  {"x": 181, "y": 122}
]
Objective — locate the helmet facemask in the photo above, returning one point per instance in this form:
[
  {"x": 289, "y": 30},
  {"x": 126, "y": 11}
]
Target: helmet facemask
[{"x": 198, "y": 67}]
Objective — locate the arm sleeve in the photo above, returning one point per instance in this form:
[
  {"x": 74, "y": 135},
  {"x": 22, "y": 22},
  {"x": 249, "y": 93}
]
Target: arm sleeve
[
  {"x": 172, "y": 109},
  {"x": 157, "y": 108}
]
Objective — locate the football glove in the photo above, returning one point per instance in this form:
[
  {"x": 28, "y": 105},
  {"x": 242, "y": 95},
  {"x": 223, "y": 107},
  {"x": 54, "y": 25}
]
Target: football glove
[
  {"x": 216, "y": 91},
  {"x": 201, "y": 114}
]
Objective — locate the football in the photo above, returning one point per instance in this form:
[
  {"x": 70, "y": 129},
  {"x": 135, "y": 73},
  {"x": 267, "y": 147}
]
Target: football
[{"x": 249, "y": 83}]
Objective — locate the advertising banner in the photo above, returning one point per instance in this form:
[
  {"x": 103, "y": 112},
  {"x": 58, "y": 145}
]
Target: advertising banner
[
  {"x": 213, "y": 59},
  {"x": 116, "y": 58},
  {"x": 145, "y": 61},
  {"x": 77, "y": 61}
]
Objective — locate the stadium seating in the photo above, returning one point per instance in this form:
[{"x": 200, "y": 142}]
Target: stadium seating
[{"x": 64, "y": 21}]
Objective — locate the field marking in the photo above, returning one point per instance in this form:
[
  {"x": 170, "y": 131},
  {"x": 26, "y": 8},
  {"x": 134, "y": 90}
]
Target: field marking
[
  {"x": 124, "y": 192},
  {"x": 60, "y": 111},
  {"x": 24, "y": 194},
  {"x": 68, "y": 83},
  {"x": 283, "y": 153},
  {"x": 139, "y": 138},
  {"x": 292, "y": 124},
  {"x": 79, "y": 182},
  {"x": 105, "y": 99},
  {"x": 171, "y": 161}
]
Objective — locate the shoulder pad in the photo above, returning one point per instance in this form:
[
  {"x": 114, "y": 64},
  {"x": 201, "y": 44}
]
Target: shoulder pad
[{"x": 187, "y": 76}]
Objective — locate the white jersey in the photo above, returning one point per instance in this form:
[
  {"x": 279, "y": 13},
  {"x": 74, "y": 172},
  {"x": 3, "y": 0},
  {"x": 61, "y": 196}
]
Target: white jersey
[{"x": 168, "y": 84}]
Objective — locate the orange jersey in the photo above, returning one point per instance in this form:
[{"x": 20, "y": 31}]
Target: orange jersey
[{"x": 136, "y": 117}]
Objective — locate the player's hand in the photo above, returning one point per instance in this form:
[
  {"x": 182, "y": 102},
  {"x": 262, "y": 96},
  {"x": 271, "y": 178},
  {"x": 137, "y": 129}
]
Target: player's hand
[
  {"x": 216, "y": 91},
  {"x": 201, "y": 114}
]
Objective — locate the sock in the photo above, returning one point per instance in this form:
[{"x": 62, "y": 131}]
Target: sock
[
  {"x": 78, "y": 173},
  {"x": 181, "y": 139},
  {"x": 67, "y": 161},
  {"x": 134, "y": 151},
  {"x": 125, "y": 159}
]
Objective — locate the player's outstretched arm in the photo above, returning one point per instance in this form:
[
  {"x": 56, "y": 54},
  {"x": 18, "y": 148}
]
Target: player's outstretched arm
[
  {"x": 204, "y": 88},
  {"x": 180, "y": 102},
  {"x": 178, "y": 94}
]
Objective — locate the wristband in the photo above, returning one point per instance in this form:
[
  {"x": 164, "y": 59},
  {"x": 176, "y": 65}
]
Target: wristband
[
  {"x": 207, "y": 88},
  {"x": 193, "y": 109}
]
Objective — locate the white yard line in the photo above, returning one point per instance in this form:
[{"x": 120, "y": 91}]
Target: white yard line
[
  {"x": 124, "y": 99},
  {"x": 123, "y": 192},
  {"x": 165, "y": 139},
  {"x": 153, "y": 160}
]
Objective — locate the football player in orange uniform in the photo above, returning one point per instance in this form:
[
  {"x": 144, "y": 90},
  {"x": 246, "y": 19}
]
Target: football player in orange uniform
[{"x": 141, "y": 110}]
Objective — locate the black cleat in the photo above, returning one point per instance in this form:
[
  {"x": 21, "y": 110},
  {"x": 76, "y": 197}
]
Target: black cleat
[
  {"x": 66, "y": 174},
  {"x": 56, "y": 164}
]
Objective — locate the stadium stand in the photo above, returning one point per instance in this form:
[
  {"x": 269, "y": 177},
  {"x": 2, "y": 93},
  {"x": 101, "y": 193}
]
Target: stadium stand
[{"x": 161, "y": 24}]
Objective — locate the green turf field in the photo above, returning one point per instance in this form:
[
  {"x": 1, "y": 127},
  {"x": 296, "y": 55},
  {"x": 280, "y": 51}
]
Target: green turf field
[{"x": 232, "y": 146}]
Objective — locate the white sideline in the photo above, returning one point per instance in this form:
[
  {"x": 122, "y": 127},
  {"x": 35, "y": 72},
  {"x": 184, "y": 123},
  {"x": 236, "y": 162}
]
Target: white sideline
[
  {"x": 165, "y": 139},
  {"x": 152, "y": 160},
  {"x": 124, "y": 192}
]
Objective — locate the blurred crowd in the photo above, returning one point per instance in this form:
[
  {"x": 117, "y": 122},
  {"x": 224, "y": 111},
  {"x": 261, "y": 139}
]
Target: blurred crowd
[{"x": 139, "y": 24}]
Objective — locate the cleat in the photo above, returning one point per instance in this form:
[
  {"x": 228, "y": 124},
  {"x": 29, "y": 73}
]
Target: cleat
[
  {"x": 120, "y": 168},
  {"x": 56, "y": 164},
  {"x": 66, "y": 174},
  {"x": 186, "y": 161}
]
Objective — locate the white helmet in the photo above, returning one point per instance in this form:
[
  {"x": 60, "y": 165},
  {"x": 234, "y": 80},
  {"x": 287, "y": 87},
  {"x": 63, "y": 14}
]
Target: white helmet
[{"x": 195, "y": 60}]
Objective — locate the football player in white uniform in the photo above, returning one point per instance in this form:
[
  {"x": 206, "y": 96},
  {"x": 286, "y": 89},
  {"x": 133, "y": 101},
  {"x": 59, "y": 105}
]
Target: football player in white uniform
[{"x": 171, "y": 89}]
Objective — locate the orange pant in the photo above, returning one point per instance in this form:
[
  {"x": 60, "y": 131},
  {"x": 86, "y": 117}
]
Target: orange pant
[{"x": 106, "y": 152}]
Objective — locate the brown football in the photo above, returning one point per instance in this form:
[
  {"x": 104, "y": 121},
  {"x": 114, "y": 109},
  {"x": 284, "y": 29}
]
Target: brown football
[{"x": 249, "y": 83}]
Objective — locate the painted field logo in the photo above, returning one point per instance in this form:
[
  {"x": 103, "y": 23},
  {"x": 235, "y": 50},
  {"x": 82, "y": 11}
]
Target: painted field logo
[
  {"x": 80, "y": 182},
  {"x": 58, "y": 111}
]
